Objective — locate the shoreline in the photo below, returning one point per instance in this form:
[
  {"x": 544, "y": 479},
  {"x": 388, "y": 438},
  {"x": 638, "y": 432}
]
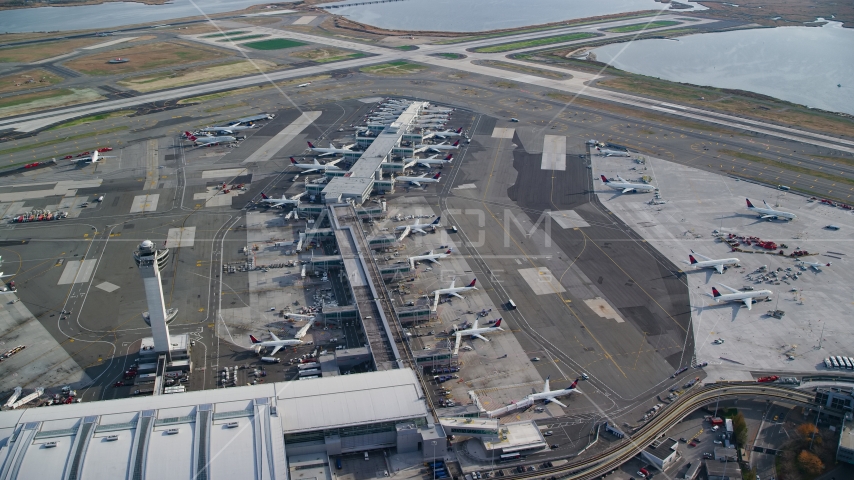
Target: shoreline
[{"x": 81, "y": 4}]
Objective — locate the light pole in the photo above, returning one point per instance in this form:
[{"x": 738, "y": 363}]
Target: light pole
[{"x": 434, "y": 458}]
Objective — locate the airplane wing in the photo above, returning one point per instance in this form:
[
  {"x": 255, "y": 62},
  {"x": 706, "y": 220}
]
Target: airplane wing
[
  {"x": 547, "y": 388},
  {"x": 453, "y": 282},
  {"x": 457, "y": 344},
  {"x": 404, "y": 233},
  {"x": 456, "y": 295},
  {"x": 419, "y": 231},
  {"x": 477, "y": 335},
  {"x": 417, "y": 184},
  {"x": 274, "y": 336},
  {"x": 554, "y": 400},
  {"x": 720, "y": 268},
  {"x": 763, "y": 217},
  {"x": 335, "y": 162},
  {"x": 749, "y": 302},
  {"x": 434, "y": 261},
  {"x": 302, "y": 331},
  {"x": 621, "y": 179},
  {"x": 275, "y": 350},
  {"x": 730, "y": 288},
  {"x": 627, "y": 190}
]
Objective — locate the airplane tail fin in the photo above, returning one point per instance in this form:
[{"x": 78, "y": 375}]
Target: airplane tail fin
[
  {"x": 436, "y": 222},
  {"x": 574, "y": 384},
  {"x": 188, "y": 134},
  {"x": 497, "y": 323},
  {"x": 749, "y": 205},
  {"x": 460, "y": 130},
  {"x": 436, "y": 177},
  {"x": 606, "y": 180},
  {"x": 294, "y": 161},
  {"x": 473, "y": 282},
  {"x": 715, "y": 292},
  {"x": 310, "y": 145},
  {"x": 449, "y": 157},
  {"x": 264, "y": 196},
  {"x": 693, "y": 260},
  {"x": 253, "y": 339},
  {"x": 828, "y": 263},
  {"x": 456, "y": 144},
  {"x": 449, "y": 252}
]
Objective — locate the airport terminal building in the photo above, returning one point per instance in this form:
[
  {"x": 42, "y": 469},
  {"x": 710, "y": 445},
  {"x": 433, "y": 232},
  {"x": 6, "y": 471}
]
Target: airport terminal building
[{"x": 241, "y": 432}]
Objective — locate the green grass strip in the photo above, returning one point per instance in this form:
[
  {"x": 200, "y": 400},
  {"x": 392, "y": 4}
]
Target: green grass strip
[
  {"x": 536, "y": 42},
  {"x": 274, "y": 44},
  {"x": 247, "y": 37},
  {"x": 92, "y": 118},
  {"x": 62, "y": 140},
  {"x": 641, "y": 26},
  {"x": 786, "y": 166}
]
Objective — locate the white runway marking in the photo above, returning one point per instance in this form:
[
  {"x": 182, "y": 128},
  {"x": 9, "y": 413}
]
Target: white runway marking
[
  {"x": 77, "y": 271},
  {"x": 568, "y": 219},
  {"x": 554, "y": 152},
  {"x": 304, "y": 20},
  {"x": 181, "y": 237},
  {"x": 145, "y": 203},
  {"x": 541, "y": 280},
  {"x": 110, "y": 43},
  {"x": 499, "y": 132},
  {"x": 282, "y": 138},
  {"x": 227, "y": 172},
  {"x": 107, "y": 287},
  {"x": 465, "y": 186}
]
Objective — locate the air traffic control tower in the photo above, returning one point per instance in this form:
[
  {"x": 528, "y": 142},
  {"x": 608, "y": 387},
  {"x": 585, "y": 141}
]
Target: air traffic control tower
[{"x": 151, "y": 261}]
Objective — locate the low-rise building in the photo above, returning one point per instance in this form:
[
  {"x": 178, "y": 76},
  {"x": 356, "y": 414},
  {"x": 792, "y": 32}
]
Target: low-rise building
[
  {"x": 845, "y": 450},
  {"x": 662, "y": 453},
  {"x": 716, "y": 470}
]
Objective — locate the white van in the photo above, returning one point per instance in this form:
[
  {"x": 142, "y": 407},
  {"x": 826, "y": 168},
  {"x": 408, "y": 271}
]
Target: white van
[{"x": 366, "y": 456}]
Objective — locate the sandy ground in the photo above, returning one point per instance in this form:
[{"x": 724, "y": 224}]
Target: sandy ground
[
  {"x": 193, "y": 76},
  {"x": 19, "y": 82},
  {"x": 41, "y": 51},
  {"x": 83, "y": 95}
]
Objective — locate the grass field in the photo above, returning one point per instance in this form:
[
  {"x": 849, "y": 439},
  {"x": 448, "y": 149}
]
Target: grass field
[
  {"x": 56, "y": 141},
  {"x": 452, "y": 41},
  {"x": 190, "y": 76},
  {"x": 93, "y": 118},
  {"x": 525, "y": 69},
  {"x": 407, "y": 48},
  {"x": 318, "y": 54},
  {"x": 393, "y": 68},
  {"x": 226, "y": 34},
  {"x": 28, "y": 80},
  {"x": 274, "y": 44},
  {"x": 636, "y": 27},
  {"x": 33, "y": 102},
  {"x": 41, "y": 51},
  {"x": 145, "y": 57},
  {"x": 786, "y": 166},
  {"x": 536, "y": 42},
  {"x": 451, "y": 56},
  {"x": 776, "y": 111}
]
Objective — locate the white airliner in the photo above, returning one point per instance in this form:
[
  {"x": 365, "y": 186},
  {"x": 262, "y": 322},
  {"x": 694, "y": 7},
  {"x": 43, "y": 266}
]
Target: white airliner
[
  {"x": 229, "y": 129},
  {"x": 280, "y": 202},
  {"x": 612, "y": 153},
  {"x": 707, "y": 262},
  {"x": 317, "y": 166},
  {"x": 451, "y": 291},
  {"x": 768, "y": 212},
  {"x": 738, "y": 296},
  {"x": 430, "y": 257},
  {"x": 208, "y": 141},
  {"x": 278, "y": 343},
  {"x": 94, "y": 158},
  {"x": 12, "y": 274},
  {"x": 432, "y": 160},
  {"x": 448, "y": 133},
  {"x": 416, "y": 227},
  {"x": 549, "y": 395},
  {"x": 625, "y": 186},
  {"x": 332, "y": 150},
  {"x": 476, "y": 332},
  {"x": 437, "y": 148},
  {"x": 417, "y": 181},
  {"x": 303, "y": 85},
  {"x": 438, "y": 109},
  {"x": 817, "y": 266}
]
